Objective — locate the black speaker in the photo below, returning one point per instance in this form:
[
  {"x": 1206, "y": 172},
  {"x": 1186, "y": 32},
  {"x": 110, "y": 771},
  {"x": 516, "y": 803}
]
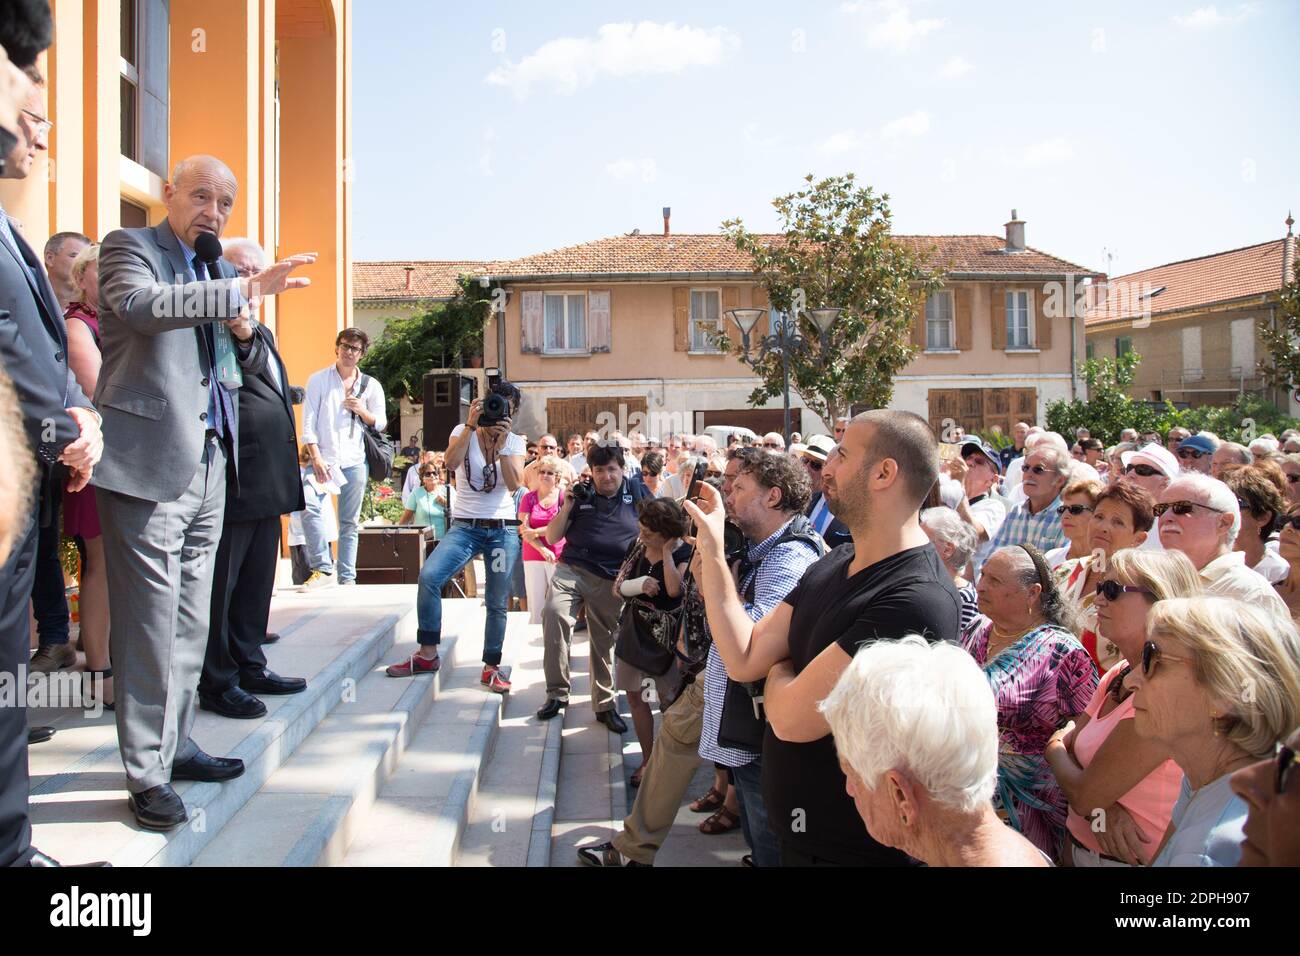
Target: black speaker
[{"x": 447, "y": 397}]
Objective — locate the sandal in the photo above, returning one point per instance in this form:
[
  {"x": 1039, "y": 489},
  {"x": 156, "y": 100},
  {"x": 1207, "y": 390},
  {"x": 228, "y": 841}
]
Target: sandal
[
  {"x": 709, "y": 802},
  {"x": 636, "y": 777},
  {"x": 721, "y": 822}
]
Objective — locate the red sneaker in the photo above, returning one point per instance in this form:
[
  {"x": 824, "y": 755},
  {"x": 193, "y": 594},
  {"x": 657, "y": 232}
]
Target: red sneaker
[
  {"x": 415, "y": 664},
  {"x": 493, "y": 680}
]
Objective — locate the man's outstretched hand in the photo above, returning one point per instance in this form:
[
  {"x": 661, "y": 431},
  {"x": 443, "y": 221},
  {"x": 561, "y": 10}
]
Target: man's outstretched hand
[{"x": 276, "y": 278}]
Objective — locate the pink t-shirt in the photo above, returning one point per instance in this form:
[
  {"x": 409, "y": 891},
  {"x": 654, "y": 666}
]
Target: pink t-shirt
[
  {"x": 1151, "y": 802},
  {"x": 539, "y": 517}
]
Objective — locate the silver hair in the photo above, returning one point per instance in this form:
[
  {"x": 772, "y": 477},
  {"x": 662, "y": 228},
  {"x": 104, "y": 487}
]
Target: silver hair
[
  {"x": 1240, "y": 452},
  {"x": 248, "y": 245},
  {"x": 1217, "y": 495},
  {"x": 948, "y": 526}
]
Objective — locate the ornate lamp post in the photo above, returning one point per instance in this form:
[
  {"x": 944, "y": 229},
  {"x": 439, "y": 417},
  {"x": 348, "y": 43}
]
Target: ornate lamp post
[{"x": 785, "y": 341}]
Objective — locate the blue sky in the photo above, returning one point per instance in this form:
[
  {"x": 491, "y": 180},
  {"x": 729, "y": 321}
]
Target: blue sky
[{"x": 1156, "y": 130}]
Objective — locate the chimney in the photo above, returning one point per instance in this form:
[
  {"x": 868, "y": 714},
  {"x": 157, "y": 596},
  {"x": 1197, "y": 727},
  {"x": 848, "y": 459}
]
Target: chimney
[
  {"x": 1015, "y": 234},
  {"x": 1288, "y": 251},
  {"x": 668, "y": 214},
  {"x": 409, "y": 270}
]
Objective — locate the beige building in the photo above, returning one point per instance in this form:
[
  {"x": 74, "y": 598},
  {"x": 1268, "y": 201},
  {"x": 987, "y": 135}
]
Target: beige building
[
  {"x": 1195, "y": 323},
  {"x": 387, "y": 290}
]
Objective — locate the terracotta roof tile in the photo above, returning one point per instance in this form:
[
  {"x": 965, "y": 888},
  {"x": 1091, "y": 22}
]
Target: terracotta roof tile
[
  {"x": 1220, "y": 277},
  {"x": 386, "y": 281}
]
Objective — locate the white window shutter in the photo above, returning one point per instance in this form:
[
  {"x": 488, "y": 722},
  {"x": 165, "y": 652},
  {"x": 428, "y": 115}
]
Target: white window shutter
[
  {"x": 598, "y": 321},
  {"x": 531, "y": 325}
]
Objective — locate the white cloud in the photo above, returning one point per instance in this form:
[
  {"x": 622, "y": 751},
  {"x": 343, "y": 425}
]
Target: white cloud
[
  {"x": 955, "y": 67},
  {"x": 891, "y": 24},
  {"x": 845, "y": 141},
  {"x": 568, "y": 64},
  {"x": 1209, "y": 18},
  {"x": 913, "y": 124},
  {"x": 625, "y": 168}
]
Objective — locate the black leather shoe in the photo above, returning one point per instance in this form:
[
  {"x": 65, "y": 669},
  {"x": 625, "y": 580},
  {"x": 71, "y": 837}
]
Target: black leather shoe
[
  {"x": 270, "y": 683},
  {"x": 40, "y": 859},
  {"x": 604, "y": 854},
  {"x": 612, "y": 720},
  {"x": 38, "y": 735},
  {"x": 234, "y": 702},
  {"x": 207, "y": 768},
  {"x": 158, "y": 808},
  {"x": 270, "y": 638},
  {"x": 551, "y": 708}
]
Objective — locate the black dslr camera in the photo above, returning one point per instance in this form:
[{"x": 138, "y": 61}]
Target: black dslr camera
[
  {"x": 499, "y": 404},
  {"x": 583, "y": 490}
]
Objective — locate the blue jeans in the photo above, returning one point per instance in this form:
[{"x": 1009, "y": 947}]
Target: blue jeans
[
  {"x": 500, "y": 550},
  {"x": 350, "y": 498},
  {"x": 753, "y": 814},
  {"x": 315, "y": 543}
]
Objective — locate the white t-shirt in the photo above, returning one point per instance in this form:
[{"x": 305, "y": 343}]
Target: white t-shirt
[
  {"x": 471, "y": 500},
  {"x": 1273, "y": 566},
  {"x": 989, "y": 512}
]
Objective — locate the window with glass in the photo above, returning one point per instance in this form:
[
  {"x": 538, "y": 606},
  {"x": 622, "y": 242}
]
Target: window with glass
[
  {"x": 705, "y": 311},
  {"x": 144, "y": 63},
  {"x": 1018, "y": 320},
  {"x": 566, "y": 321},
  {"x": 938, "y": 321},
  {"x": 1123, "y": 345}
]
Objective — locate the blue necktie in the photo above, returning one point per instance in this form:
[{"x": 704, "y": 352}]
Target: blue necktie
[{"x": 220, "y": 407}]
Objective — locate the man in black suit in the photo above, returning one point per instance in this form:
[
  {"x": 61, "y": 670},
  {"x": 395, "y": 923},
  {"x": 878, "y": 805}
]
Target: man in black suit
[
  {"x": 833, "y": 531},
  {"x": 234, "y": 667},
  {"x": 62, "y": 428}
]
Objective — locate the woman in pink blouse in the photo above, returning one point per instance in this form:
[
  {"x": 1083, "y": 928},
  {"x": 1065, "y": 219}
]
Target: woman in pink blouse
[
  {"x": 536, "y": 509},
  {"x": 1121, "y": 787}
]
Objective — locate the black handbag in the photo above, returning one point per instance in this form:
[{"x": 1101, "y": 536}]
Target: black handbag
[
  {"x": 743, "y": 721},
  {"x": 648, "y": 653},
  {"x": 379, "y": 447}
]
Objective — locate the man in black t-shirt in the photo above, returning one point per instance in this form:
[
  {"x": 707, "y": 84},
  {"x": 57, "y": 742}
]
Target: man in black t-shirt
[{"x": 887, "y": 584}]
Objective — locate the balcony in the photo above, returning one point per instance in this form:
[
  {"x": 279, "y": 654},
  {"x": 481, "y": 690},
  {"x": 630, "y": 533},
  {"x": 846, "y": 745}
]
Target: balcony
[{"x": 1235, "y": 378}]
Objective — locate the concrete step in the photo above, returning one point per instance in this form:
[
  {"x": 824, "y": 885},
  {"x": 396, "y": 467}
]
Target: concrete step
[{"x": 334, "y": 638}]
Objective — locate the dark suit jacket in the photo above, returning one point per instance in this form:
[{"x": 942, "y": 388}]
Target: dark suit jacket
[
  {"x": 34, "y": 347},
  {"x": 270, "y": 480},
  {"x": 837, "y": 532}
]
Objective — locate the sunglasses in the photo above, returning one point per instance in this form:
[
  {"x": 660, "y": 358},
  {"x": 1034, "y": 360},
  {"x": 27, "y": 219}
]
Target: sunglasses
[
  {"x": 1038, "y": 469},
  {"x": 1286, "y": 762},
  {"x": 1152, "y": 655},
  {"x": 1293, "y": 478},
  {"x": 1075, "y": 510},
  {"x": 1292, "y": 520},
  {"x": 814, "y": 465},
  {"x": 1183, "y": 508},
  {"x": 1146, "y": 471},
  {"x": 1111, "y": 590},
  {"x": 1185, "y": 453}
]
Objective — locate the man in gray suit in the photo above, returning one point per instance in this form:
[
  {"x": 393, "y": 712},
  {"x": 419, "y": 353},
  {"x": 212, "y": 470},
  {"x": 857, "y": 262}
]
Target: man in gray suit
[{"x": 171, "y": 427}]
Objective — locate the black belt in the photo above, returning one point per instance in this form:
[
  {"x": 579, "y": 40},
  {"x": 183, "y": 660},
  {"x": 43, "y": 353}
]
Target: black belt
[{"x": 487, "y": 522}]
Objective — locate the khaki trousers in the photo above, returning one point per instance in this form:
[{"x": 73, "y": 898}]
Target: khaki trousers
[
  {"x": 668, "y": 773},
  {"x": 571, "y": 588}
]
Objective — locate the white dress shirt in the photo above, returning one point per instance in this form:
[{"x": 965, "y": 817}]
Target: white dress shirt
[{"x": 331, "y": 427}]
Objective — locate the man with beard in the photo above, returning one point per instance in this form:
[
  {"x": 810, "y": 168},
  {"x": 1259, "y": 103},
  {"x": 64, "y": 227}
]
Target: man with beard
[{"x": 885, "y": 585}]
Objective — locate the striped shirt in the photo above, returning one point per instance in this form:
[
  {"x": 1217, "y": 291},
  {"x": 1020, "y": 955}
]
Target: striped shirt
[
  {"x": 970, "y": 605},
  {"x": 1042, "y": 531},
  {"x": 779, "y": 572}
]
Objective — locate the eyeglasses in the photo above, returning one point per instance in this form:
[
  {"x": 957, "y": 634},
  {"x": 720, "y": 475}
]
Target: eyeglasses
[
  {"x": 1293, "y": 478},
  {"x": 1038, "y": 469},
  {"x": 354, "y": 349},
  {"x": 814, "y": 465},
  {"x": 1111, "y": 590},
  {"x": 43, "y": 125},
  {"x": 548, "y": 447},
  {"x": 1146, "y": 471},
  {"x": 1075, "y": 510},
  {"x": 1286, "y": 762},
  {"x": 1152, "y": 655},
  {"x": 1185, "y": 453},
  {"x": 1184, "y": 508},
  {"x": 551, "y": 473}
]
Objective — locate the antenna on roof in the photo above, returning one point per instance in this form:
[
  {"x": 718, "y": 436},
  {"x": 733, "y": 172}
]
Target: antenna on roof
[{"x": 1109, "y": 255}]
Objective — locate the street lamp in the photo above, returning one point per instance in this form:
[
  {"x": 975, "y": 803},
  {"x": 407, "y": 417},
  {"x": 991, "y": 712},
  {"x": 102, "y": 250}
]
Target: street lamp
[{"x": 784, "y": 341}]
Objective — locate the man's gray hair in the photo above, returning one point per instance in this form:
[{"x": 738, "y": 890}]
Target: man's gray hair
[
  {"x": 1240, "y": 453},
  {"x": 949, "y": 527},
  {"x": 924, "y": 709},
  {"x": 1215, "y": 494},
  {"x": 248, "y": 245}
]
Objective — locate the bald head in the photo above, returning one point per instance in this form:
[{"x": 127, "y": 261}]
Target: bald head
[
  {"x": 199, "y": 198},
  {"x": 202, "y": 165}
]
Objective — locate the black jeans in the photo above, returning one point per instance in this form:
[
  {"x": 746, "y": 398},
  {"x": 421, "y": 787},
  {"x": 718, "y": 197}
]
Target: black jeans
[{"x": 49, "y": 592}]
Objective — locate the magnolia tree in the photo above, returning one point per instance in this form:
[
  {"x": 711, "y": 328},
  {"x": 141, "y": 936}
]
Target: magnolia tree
[
  {"x": 1282, "y": 367},
  {"x": 836, "y": 250}
]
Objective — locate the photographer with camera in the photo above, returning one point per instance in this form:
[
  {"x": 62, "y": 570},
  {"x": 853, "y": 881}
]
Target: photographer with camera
[
  {"x": 598, "y": 522},
  {"x": 489, "y": 464}
]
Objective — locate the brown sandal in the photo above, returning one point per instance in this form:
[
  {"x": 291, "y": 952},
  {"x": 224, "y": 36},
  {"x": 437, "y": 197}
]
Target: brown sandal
[
  {"x": 709, "y": 802},
  {"x": 721, "y": 822}
]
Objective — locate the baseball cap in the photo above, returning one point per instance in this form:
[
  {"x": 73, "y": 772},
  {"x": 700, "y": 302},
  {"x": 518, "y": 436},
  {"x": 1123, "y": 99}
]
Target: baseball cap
[
  {"x": 819, "y": 447},
  {"x": 1197, "y": 443},
  {"x": 1157, "y": 456},
  {"x": 985, "y": 449}
]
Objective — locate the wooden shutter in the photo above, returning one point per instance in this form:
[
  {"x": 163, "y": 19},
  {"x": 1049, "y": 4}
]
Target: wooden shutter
[
  {"x": 1042, "y": 324},
  {"x": 763, "y": 326},
  {"x": 598, "y": 321},
  {"x": 730, "y": 300},
  {"x": 918, "y": 324},
  {"x": 154, "y": 51},
  {"x": 532, "y": 330},
  {"x": 681, "y": 319},
  {"x": 961, "y": 298},
  {"x": 998, "y": 316},
  {"x": 1024, "y": 404}
]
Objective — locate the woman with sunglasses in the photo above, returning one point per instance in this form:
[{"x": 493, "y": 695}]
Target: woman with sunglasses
[
  {"x": 536, "y": 509},
  {"x": 1121, "y": 518},
  {"x": 427, "y": 504},
  {"x": 1078, "y": 499},
  {"x": 1291, "y": 468},
  {"x": 1121, "y": 788},
  {"x": 1219, "y": 685},
  {"x": 1271, "y": 789},
  {"x": 1041, "y": 678}
]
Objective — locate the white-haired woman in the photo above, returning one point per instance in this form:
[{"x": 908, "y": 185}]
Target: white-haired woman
[
  {"x": 955, "y": 539},
  {"x": 80, "y": 513},
  {"x": 1041, "y": 677},
  {"x": 916, "y": 730},
  {"x": 1219, "y": 685}
]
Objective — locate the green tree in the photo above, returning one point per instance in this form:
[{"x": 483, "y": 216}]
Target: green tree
[
  {"x": 837, "y": 250},
  {"x": 1282, "y": 367},
  {"x": 1109, "y": 408}
]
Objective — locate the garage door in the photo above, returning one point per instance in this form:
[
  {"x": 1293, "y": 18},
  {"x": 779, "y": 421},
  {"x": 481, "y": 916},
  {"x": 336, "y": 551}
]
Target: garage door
[
  {"x": 565, "y": 416},
  {"x": 982, "y": 409},
  {"x": 758, "y": 420}
]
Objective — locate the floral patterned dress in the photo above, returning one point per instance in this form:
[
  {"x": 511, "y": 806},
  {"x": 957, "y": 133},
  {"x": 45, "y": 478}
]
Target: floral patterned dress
[{"x": 1038, "y": 682}]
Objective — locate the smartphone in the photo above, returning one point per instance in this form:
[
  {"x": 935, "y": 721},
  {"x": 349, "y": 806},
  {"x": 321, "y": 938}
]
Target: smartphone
[{"x": 693, "y": 489}]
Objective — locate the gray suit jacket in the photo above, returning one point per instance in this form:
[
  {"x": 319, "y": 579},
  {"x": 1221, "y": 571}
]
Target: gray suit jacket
[{"x": 153, "y": 384}]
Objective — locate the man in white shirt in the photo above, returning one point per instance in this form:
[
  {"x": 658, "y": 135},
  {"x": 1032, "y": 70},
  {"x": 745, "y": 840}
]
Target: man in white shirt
[
  {"x": 977, "y": 472},
  {"x": 340, "y": 400},
  {"x": 489, "y": 464}
]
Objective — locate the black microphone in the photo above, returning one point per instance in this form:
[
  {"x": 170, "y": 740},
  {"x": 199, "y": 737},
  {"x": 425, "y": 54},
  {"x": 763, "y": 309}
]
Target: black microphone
[{"x": 208, "y": 248}]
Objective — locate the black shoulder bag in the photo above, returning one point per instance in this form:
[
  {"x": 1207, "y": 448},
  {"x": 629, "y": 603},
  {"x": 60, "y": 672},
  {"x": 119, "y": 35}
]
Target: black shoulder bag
[{"x": 379, "y": 447}]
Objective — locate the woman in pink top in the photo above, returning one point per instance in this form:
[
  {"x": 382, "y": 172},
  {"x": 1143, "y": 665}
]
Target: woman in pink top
[
  {"x": 536, "y": 509},
  {"x": 1121, "y": 787}
]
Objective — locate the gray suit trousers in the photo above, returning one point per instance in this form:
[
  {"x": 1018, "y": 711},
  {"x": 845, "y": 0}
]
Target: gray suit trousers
[{"x": 160, "y": 558}]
